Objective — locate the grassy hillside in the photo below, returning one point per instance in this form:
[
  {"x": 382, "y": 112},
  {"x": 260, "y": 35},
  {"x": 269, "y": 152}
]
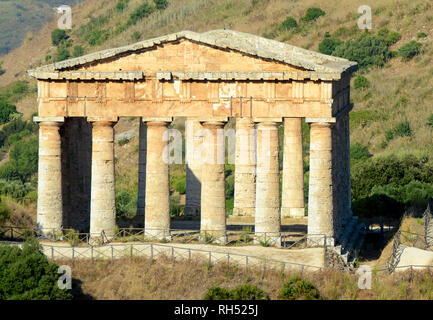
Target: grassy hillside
[
  {"x": 392, "y": 115},
  {"x": 21, "y": 18},
  {"x": 160, "y": 279}
]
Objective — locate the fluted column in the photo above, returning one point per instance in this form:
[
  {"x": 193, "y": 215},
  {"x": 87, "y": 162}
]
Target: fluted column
[
  {"x": 103, "y": 186},
  {"x": 50, "y": 203},
  {"x": 245, "y": 168},
  {"x": 320, "y": 200},
  {"x": 267, "y": 215},
  {"x": 292, "y": 200},
  {"x": 213, "y": 201},
  {"x": 193, "y": 168},
  {"x": 142, "y": 154},
  {"x": 157, "y": 218}
]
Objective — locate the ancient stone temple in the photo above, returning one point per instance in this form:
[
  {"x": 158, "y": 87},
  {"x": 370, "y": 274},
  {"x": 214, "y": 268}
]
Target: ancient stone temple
[{"x": 207, "y": 78}]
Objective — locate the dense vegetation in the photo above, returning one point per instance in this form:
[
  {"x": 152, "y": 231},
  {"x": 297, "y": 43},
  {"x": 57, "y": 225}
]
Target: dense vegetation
[{"x": 26, "y": 274}]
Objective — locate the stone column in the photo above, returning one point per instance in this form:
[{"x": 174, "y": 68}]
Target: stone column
[
  {"x": 103, "y": 186},
  {"x": 142, "y": 153},
  {"x": 193, "y": 168},
  {"x": 50, "y": 203},
  {"x": 292, "y": 201},
  {"x": 245, "y": 168},
  {"x": 213, "y": 200},
  {"x": 267, "y": 215},
  {"x": 320, "y": 200},
  {"x": 157, "y": 219}
]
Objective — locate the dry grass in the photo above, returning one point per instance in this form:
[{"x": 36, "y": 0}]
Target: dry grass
[{"x": 161, "y": 280}]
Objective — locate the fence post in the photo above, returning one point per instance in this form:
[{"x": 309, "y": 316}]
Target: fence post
[
  {"x": 228, "y": 260},
  {"x": 172, "y": 255},
  {"x": 151, "y": 251},
  {"x": 210, "y": 259},
  {"x": 52, "y": 253},
  {"x": 246, "y": 263},
  {"x": 264, "y": 269},
  {"x": 132, "y": 253},
  {"x": 112, "y": 255}
]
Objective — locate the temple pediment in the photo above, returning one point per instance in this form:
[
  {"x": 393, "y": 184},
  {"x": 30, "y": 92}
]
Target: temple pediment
[{"x": 215, "y": 51}]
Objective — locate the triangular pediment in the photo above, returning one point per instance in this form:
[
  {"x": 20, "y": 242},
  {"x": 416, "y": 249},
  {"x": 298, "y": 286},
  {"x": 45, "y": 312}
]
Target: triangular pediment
[{"x": 217, "y": 50}]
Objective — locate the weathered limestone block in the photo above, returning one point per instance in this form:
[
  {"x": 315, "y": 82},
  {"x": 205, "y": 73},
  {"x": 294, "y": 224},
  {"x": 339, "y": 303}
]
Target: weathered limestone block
[
  {"x": 292, "y": 201},
  {"x": 103, "y": 194},
  {"x": 193, "y": 168},
  {"x": 213, "y": 201},
  {"x": 267, "y": 215},
  {"x": 245, "y": 168},
  {"x": 320, "y": 202},
  {"x": 50, "y": 204},
  {"x": 157, "y": 218},
  {"x": 142, "y": 154}
]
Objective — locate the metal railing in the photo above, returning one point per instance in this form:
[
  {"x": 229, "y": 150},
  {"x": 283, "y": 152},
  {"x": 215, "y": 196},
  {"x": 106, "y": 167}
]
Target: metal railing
[{"x": 287, "y": 240}]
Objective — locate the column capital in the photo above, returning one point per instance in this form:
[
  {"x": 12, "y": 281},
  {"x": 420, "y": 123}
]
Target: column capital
[
  {"x": 49, "y": 121},
  {"x": 157, "y": 119},
  {"x": 244, "y": 123},
  {"x": 321, "y": 120},
  {"x": 322, "y": 124},
  {"x": 213, "y": 124},
  {"x": 108, "y": 121}
]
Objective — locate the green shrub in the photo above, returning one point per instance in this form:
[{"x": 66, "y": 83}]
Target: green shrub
[
  {"x": 367, "y": 50},
  {"x": 388, "y": 170},
  {"x": 161, "y": 4},
  {"x": 63, "y": 54},
  {"x": 126, "y": 204},
  {"x": 6, "y": 110},
  {"x": 361, "y": 82},
  {"x": 23, "y": 161},
  {"x": 180, "y": 185},
  {"x": 421, "y": 35},
  {"x": 123, "y": 142},
  {"x": 248, "y": 292},
  {"x": 26, "y": 274},
  {"x": 410, "y": 50},
  {"x": 313, "y": 14},
  {"x": 4, "y": 212},
  {"x": 298, "y": 289},
  {"x": 359, "y": 152},
  {"x": 78, "y": 51},
  {"x": 390, "y": 37},
  {"x": 288, "y": 24},
  {"x": 16, "y": 130},
  {"x": 241, "y": 292},
  {"x": 217, "y": 293},
  {"x": 430, "y": 121},
  {"x": 403, "y": 129},
  {"x": 121, "y": 5},
  {"x": 141, "y": 12},
  {"x": 328, "y": 45},
  {"x": 57, "y": 36}
]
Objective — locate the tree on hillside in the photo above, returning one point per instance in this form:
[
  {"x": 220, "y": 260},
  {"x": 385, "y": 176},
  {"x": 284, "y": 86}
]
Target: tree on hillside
[
  {"x": 57, "y": 36},
  {"x": 26, "y": 274},
  {"x": 6, "y": 110}
]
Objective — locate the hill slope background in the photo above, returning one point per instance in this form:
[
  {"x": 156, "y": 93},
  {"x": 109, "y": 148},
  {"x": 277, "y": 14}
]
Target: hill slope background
[{"x": 391, "y": 112}]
